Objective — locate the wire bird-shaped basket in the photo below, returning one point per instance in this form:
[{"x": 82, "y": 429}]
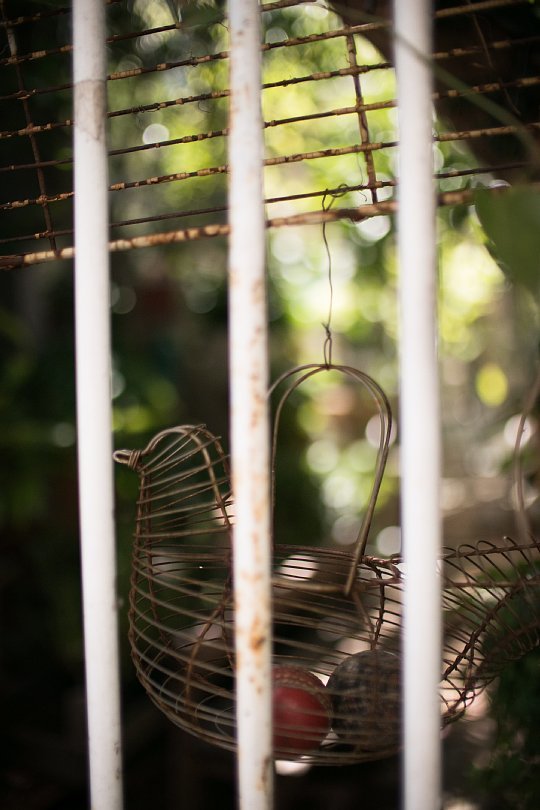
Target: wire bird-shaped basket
[{"x": 337, "y": 612}]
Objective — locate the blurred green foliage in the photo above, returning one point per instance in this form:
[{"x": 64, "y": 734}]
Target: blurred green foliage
[
  {"x": 512, "y": 224},
  {"x": 513, "y": 775},
  {"x": 169, "y": 321}
]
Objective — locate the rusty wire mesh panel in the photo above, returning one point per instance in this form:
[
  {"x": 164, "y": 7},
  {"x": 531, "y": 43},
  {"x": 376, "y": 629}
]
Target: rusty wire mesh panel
[
  {"x": 168, "y": 86},
  {"x": 337, "y": 614}
]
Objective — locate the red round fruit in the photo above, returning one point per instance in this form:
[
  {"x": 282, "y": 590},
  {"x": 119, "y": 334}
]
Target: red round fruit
[{"x": 301, "y": 710}]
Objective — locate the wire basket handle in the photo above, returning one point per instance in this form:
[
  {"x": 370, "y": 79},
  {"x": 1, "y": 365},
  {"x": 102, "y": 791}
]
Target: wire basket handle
[{"x": 385, "y": 415}]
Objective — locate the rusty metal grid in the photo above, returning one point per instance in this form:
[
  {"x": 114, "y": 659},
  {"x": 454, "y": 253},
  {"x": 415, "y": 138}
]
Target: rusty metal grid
[{"x": 343, "y": 132}]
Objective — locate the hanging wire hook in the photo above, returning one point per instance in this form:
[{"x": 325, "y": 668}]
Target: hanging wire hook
[{"x": 327, "y": 326}]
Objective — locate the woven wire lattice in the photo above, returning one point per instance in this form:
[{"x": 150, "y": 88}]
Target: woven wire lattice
[
  {"x": 337, "y": 612},
  {"x": 170, "y": 82}
]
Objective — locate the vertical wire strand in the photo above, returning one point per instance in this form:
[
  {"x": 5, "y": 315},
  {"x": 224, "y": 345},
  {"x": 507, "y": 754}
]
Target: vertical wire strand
[
  {"x": 327, "y": 326},
  {"x": 363, "y": 126},
  {"x": 419, "y": 407},
  {"x": 94, "y": 422},
  {"x": 250, "y": 457}
]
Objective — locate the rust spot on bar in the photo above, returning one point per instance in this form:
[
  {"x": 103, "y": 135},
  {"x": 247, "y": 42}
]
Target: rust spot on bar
[{"x": 258, "y": 641}]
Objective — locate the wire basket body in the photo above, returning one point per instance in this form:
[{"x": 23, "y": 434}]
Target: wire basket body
[{"x": 337, "y": 612}]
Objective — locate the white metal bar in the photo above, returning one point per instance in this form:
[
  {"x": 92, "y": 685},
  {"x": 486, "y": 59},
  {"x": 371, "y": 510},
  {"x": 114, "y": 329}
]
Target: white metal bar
[
  {"x": 419, "y": 407},
  {"x": 93, "y": 375},
  {"x": 248, "y": 363}
]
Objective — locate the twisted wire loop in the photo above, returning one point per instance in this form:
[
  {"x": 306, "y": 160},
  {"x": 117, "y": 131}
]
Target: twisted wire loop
[{"x": 337, "y": 611}]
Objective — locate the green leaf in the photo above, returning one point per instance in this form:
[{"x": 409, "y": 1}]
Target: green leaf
[{"x": 511, "y": 221}]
